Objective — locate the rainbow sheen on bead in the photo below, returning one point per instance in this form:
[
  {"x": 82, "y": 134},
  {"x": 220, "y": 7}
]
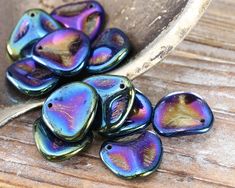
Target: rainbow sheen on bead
[
  {"x": 87, "y": 16},
  {"x": 54, "y": 149},
  {"x": 138, "y": 119},
  {"x": 139, "y": 156},
  {"x": 31, "y": 78},
  {"x": 34, "y": 24},
  {"x": 182, "y": 113},
  {"x": 117, "y": 95},
  {"x": 64, "y": 51},
  {"x": 70, "y": 110},
  {"x": 108, "y": 51}
]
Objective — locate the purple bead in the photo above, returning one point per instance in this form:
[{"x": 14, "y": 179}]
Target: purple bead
[
  {"x": 133, "y": 157},
  {"x": 64, "y": 51},
  {"x": 182, "y": 113},
  {"x": 108, "y": 51},
  {"x": 70, "y": 110},
  {"x": 138, "y": 119},
  {"x": 31, "y": 78},
  {"x": 87, "y": 16}
]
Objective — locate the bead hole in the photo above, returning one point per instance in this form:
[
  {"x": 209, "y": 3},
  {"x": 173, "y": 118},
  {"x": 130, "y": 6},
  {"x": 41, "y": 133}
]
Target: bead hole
[
  {"x": 122, "y": 86},
  {"x": 40, "y": 47},
  {"x": 91, "y": 6},
  {"x": 50, "y": 105},
  {"x": 109, "y": 147},
  {"x": 32, "y": 14},
  {"x": 202, "y": 120}
]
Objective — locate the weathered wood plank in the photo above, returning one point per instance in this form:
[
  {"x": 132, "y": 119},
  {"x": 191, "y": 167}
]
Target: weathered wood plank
[{"x": 203, "y": 63}]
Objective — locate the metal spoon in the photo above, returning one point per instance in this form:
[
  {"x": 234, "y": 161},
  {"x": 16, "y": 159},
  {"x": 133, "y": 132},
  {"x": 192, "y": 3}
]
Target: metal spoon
[{"x": 168, "y": 22}]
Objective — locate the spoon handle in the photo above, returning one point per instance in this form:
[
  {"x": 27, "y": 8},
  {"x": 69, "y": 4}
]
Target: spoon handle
[{"x": 10, "y": 112}]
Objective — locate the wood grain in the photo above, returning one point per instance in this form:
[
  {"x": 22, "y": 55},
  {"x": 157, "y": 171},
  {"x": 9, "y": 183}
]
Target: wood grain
[{"x": 203, "y": 63}]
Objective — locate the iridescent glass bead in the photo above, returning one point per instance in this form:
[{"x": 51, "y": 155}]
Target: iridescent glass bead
[
  {"x": 34, "y": 24},
  {"x": 64, "y": 51},
  {"x": 70, "y": 110},
  {"x": 138, "y": 119},
  {"x": 108, "y": 51},
  {"x": 117, "y": 95},
  {"x": 55, "y": 149},
  {"x": 182, "y": 113},
  {"x": 31, "y": 78},
  {"x": 87, "y": 16},
  {"x": 133, "y": 157}
]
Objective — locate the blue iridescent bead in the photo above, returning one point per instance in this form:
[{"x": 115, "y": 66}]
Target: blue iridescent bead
[
  {"x": 138, "y": 119},
  {"x": 55, "y": 149},
  {"x": 182, "y": 113},
  {"x": 70, "y": 110},
  {"x": 108, "y": 51},
  {"x": 87, "y": 16},
  {"x": 31, "y": 78},
  {"x": 117, "y": 95},
  {"x": 132, "y": 157},
  {"x": 34, "y": 24},
  {"x": 64, "y": 51}
]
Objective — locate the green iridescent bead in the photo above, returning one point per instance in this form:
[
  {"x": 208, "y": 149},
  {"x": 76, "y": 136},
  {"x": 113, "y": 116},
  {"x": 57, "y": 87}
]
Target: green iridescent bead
[
  {"x": 138, "y": 119},
  {"x": 117, "y": 96},
  {"x": 34, "y": 24},
  {"x": 108, "y": 51},
  {"x": 54, "y": 149},
  {"x": 70, "y": 110},
  {"x": 134, "y": 156}
]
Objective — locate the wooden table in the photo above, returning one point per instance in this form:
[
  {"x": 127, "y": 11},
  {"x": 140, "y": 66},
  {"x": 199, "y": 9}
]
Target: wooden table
[{"x": 203, "y": 63}]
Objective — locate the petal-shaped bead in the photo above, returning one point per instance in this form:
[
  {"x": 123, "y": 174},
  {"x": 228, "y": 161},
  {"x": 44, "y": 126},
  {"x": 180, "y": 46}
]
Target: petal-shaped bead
[
  {"x": 70, "y": 110},
  {"x": 31, "y": 78},
  {"x": 55, "y": 149},
  {"x": 128, "y": 159},
  {"x": 182, "y": 113},
  {"x": 138, "y": 119},
  {"x": 117, "y": 97},
  {"x": 34, "y": 24},
  {"x": 64, "y": 51},
  {"x": 87, "y": 16},
  {"x": 108, "y": 51}
]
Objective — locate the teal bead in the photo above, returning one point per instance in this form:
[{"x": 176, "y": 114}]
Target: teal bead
[{"x": 34, "y": 24}]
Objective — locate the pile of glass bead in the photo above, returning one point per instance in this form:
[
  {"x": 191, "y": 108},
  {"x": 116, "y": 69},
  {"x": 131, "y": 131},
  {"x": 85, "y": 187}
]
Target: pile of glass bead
[{"x": 49, "y": 47}]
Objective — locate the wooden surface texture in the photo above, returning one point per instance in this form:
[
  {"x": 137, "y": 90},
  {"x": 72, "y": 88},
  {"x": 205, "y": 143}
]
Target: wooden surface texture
[{"x": 204, "y": 63}]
